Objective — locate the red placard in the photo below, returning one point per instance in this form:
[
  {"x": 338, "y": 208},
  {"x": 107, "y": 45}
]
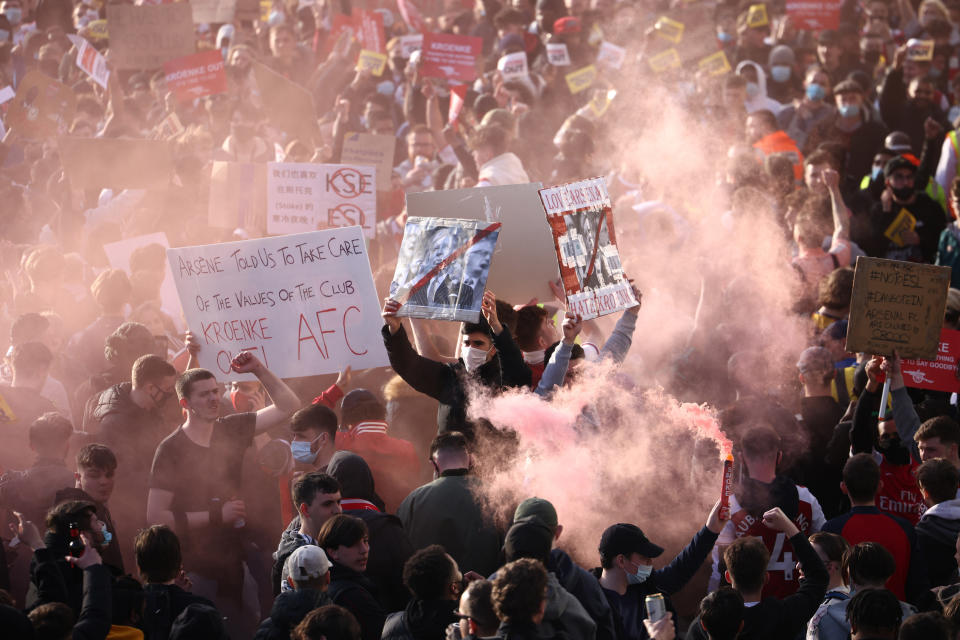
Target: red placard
[
  {"x": 814, "y": 15},
  {"x": 939, "y": 374},
  {"x": 369, "y": 30},
  {"x": 457, "y": 94},
  {"x": 450, "y": 57},
  {"x": 201, "y": 74},
  {"x": 411, "y": 15}
]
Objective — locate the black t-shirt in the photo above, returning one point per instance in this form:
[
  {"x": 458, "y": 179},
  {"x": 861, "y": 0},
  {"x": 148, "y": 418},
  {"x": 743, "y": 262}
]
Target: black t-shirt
[{"x": 196, "y": 475}]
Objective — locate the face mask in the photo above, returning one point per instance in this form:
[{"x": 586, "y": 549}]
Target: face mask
[
  {"x": 473, "y": 358},
  {"x": 876, "y": 172},
  {"x": 107, "y": 536},
  {"x": 534, "y": 357},
  {"x": 643, "y": 572},
  {"x": 815, "y": 92},
  {"x": 724, "y": 37},
  {"x": 903, "y": 193},
  {"x": 302, "y": 453},
  {"x": 849, "y": 110},
  {"x": 780, "y": 73},
  {"x": 385, "y": 88},
  {"x": 223, "y": 52},
  {"x": 14, "y": 15},
  {"x": 753, "y": 89}
]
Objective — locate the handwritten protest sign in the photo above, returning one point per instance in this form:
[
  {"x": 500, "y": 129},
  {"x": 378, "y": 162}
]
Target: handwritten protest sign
[
  {"x": 450, "y": 56},
  {"x": 306, "y": 196},
  {"x": 118, "y": 255},
  {"x": 169, "y": 128},
  {"x": 443, "y": 267},
  {"x": 581, "y": 79},
  {"x": 144, "y": 37},
  {"x": 814, "y": 15},
  {"x": 288, "y": 105},
  {"x": 580, "y": 216},
  {"x": 202, "y": 74},
  {"x": 368, "y": 26},
  {"x": 213, "y": 10},
  {"x": 371, "y": 149},
  {"x": 238, "y": 196},
  {"x": 117, "y": 163},
  {"x": 42, "y": 107},
  {"x": 90, "y": 60},
  {"x": 558, "y": 55},
  {"x": 897, "y": 305},
  {"x": 304, "y": 304},
  {"x": 939, "y": 374},
  {"x": 525, "y": 244}
]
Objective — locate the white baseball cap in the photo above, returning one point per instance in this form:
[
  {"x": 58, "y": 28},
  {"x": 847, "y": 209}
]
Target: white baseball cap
[{"x": 307, "y": 563}]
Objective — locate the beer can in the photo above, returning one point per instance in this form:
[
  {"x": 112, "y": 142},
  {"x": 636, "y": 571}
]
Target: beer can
[
  {"x": 727, "y": 489},
  {"x": 656, "y": 606}
]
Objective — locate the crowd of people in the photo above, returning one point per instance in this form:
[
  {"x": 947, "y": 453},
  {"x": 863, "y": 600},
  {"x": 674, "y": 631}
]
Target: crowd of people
[{"x": 751, "y": 154}]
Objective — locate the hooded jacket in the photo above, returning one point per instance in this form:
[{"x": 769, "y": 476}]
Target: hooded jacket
[
  {"x": 289, "y": 608},
  {"x": 937, "y": 534},
  {"x": 565, "y": 617},
  {"x": 760, "y": 101},
  {"x": 163, "y": 604},
  {"x": 421, "y": 620},
  {"x": 834, "y": 626},
  {"x": 501, "y": 170},
  {"x": 354, "y": 592},
  {"x": 581, "y": 584},
  {"x": 290, "y": 541}
]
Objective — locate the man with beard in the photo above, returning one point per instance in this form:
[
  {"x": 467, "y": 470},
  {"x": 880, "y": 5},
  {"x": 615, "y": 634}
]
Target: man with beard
[{"x": 905, "y": 107}]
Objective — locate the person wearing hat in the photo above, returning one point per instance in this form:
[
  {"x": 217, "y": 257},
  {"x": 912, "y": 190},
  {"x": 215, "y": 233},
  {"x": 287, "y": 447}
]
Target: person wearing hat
[
  {"x": 830, "y": 55},
  {"x": 891, "y": 234},
  {"x": 799, "y": 119},
  {"x": 898, "y": 143},
  {"x": 906, "y": 102},
  {"x": 785, "y": 84},
  {"x": 852, "y": 128},
  {"x": 307, "y": 572},
  {"x": 627, "y": 576}
]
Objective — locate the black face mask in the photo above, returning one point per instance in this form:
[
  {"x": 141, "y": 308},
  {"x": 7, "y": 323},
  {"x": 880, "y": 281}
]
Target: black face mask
[{"x": 903, "y": 193}]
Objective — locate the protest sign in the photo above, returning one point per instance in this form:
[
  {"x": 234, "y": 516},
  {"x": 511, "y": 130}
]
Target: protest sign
[
  {"x": 601, "y": 101},
  {"x": 409, "y": 44},
  {"x": 288, "y": 105},
  {"x": 897, "y": 305},
  {"x": 581, "y": 79},
  {"x": 610, "y": 55},
  {"x": 715, "y": 64},
  {"x": 306, "y": 196},
  {"x": 170, "y": 127},
  {"x": 208, "y": 11},
  {"x": 920, "y": 50},
  {"x": 904, "y": 222},
  {"x": 117, "y": 163},
  {"x": 525, "y": 244},
  {"x": 371, "y": 149},
  {"x": 814, "y": 15},
  {"x": 372, "y": 62},
  {"x": 7, "y": 94},
  {"x": 513, "y": 66},
  {"x": 443, "y": 267},
  {"x": 580, "y": 216},
  {"x": 558, "y": 55},
  {"x": 144, "y": 37},
  {"x": 303, "y": 304},
  {"x": 939, "y": 374},
  {"x": 41, "y": 108},
  {"x": 196, "y": 76},
  {"x": 118, "y": 255},
  {"x": 368, "y": 26},
  {"x": 90, "y": 60},
  {"x": 96, "y": 30},
  {"x": 450, "y": 56},
  {"x": 457, "y": 94},
  {"x": 757, "y": 16},
  {"x": 665, "y": 60},
  {"x": 670, "y": 30},
  {"x": 238, "y": 196},
  {"x": 411, "y": 15}
]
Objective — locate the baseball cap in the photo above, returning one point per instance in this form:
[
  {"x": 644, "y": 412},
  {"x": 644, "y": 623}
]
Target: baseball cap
[
  {"x": 898, "y": 162},
  {"x": 815, "y": 359},
  {"x": 847, "y": 86},
  {"x": 307, "y": 563},
  {"x": 537, "y": 508},
  {"x": 566, "y": 25},
  {"x": 626, "y": 539},
  {"x": 897, "y": 142},
  {"x": 528, "y": 538}
]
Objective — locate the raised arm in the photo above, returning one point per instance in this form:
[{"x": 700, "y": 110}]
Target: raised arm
[
  {"x": 285, "y": 401},
  {"x": 556, "y": 370},
  {"x": 904, "y": 414},
  {"x": 863, "y": 433},
  {"x": 841, "y": 217}
]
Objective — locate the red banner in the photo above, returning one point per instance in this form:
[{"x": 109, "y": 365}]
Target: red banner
[
  {"x": 457, "y": 94},
  {"x": 201, "y": 74},
  {"x": 368, "y": 26},
  {"x": 814, "y": 15},
  {"x": 411, "y": 15},
  {"x": 450, "y": 57},
  {"x": 939, "y": 374}
]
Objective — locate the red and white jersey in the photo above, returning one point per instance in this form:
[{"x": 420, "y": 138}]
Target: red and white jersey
[
  {"x": 783, "y": 579},
  {"x": 899, "y": 493}
]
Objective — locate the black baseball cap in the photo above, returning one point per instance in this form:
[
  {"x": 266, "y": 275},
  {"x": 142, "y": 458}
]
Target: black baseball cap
[
  {"x": 626, "y": 539},
  {"x": 898, "y": 162}
]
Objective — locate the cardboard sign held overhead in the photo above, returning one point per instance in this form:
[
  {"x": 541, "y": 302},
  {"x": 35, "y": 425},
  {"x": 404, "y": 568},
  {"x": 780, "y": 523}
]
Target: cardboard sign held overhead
[
  {"x": 665, "y": 60},
  {"x": 303, "y": 304},
  {"x": 196, "y": 76},
  {"x": 409, "y": 44},
  {"x": 288, "y": 105},
  {"x": 814, "y": 15},
  {"x": 920, "y": 50},
  {"x": 218, "y": 11},
  {"x": 457, "y": 94},
  {"x": 451, "y": 57},
  {"x": 238, "y": 196},
  {"x": 371, "y": 149},
  {"x": 117, "y": 163},
  {"x": 939, "y": 374},
  {"x": 670, "y": 30},
  {"x": 897, "y": 305},
  {"x": 118, "y": 254},
  {"x": 42, "y": 107},
  {"x": 372, "y": 62},
  {"x": 715, "y": 64},
  {"x": 525, "y": 244},
  {"x": 144, "y": 37}
]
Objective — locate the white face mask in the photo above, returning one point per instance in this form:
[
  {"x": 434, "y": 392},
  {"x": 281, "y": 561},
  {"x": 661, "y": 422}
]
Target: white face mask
[
  {"x": 534, "y": 357},
  {"x": 473, "y": 358}
]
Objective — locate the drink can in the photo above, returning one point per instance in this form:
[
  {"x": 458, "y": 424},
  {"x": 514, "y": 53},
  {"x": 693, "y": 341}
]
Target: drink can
[
  {"x": 656, "y": 607},
  {"x": 727, "y": 489}
]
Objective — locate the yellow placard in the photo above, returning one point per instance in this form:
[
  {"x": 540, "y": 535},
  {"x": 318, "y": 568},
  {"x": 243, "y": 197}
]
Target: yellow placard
[
  {"x": 96, "y": 30},
  {"x": 715, "y": 64},
  {"x": 757, "y": 16},
  {"x": 581, "y": 79},
  {"x": 266, "y": 6},
  {"x": 665, "y": 60},
  {"x": 920, "y": 50},
  {"x": 601, "y": 101},
  {"x": 669, "y": 30},
  {"x": 6, "y": 413},
  {"x": 596, "y": 35},
  {"x": 903, "y": 222},
  {"x": 372, "y": 61}
]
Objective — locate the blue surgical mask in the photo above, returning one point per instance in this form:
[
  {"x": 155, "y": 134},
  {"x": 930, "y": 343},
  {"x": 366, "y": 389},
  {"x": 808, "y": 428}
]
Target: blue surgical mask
[
  {"x": 724, "y": 37},
  {"x": 386, "y": 88},
  {"x": 302, "y": 451},
  {"x": 876, "y": 172},
  {"x": 107, "y": 536},
  {"x": 816, "y": 92},
  {"x": 780, "y": 73},
  {"x": 642, "y": 574},
  {"x": 849, "y": 110},
  {"x": 14, "y": 15},
  {"x": 753, "y": 89},
  {"x": 223, "y": 52}
]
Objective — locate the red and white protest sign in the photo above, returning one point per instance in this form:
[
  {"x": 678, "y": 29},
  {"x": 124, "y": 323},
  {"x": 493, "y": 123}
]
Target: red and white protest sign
[
  {"x": 450, "y": 56},
  {"x": 411, "y": 14},
  {"x": 91, "y": 60},
  {"x": 201, "y": 74},
  {"x": 457, "y": 93},
  {"x": 368, "y": 25},
  {"x": 814, "y": 15},
  {"x": 939, "y": 374}
]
